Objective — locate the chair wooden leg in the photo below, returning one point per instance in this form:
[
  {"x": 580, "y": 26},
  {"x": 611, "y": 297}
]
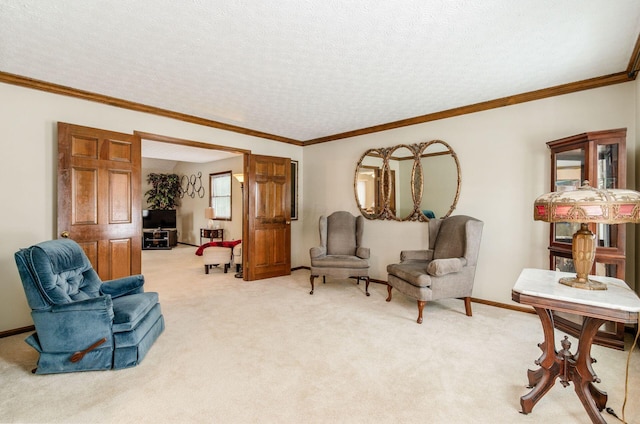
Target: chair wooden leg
[
  {"x": 324, "y": 279},
  {"x": 366, "y": 289},
  {"x": 206, "y": 269},
  {"x": 389, "y": 293},
  {"x": 311, "y": 279},
  {"x": 467, "y": 306},
  {"x": 421, "y": 304}
]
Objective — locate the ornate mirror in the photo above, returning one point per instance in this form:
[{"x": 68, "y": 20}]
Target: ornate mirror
[
  {"x": 408, "y": 182},
  {"x": 370, "y": 184},
  {"x": 441, "y": 179}
]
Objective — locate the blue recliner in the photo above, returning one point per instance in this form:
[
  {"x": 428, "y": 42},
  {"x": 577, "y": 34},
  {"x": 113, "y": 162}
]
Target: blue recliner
[{"x": 82, "y": 323}]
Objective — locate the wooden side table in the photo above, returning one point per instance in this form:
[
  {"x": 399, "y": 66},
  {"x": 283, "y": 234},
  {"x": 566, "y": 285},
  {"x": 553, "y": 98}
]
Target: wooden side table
[
  {"x": 540, "y": 289},
  {"x": 211, "y": 234}
]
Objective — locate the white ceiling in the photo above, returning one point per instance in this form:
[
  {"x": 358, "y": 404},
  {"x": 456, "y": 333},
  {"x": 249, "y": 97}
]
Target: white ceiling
[{"x": 305, "y": 69}]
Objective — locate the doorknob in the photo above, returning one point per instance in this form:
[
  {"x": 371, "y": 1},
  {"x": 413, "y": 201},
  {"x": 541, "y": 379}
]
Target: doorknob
[{"x": 64, "y": 234}]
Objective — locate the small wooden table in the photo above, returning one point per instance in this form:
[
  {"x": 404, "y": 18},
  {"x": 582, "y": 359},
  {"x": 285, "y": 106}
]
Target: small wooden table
[
  {"x": 211, "y": 233},
  {"x": 540, "y": 289}
]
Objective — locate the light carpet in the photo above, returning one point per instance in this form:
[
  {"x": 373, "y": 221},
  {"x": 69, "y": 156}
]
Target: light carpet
[{"x": 268, "y": 352}]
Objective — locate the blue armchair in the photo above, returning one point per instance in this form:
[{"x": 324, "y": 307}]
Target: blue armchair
[{"x": 82, "y": 323}]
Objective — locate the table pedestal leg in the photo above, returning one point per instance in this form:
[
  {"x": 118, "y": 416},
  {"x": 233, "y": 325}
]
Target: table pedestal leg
[
  {"x": 545, "y": 377},
  {"x": 567, "y": 367},
  {"x": 583, "y": 377}
]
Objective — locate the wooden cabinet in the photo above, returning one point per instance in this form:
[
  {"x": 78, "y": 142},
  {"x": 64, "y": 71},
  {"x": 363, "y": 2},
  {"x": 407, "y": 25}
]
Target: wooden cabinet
[{"x": 600, "y": 158}]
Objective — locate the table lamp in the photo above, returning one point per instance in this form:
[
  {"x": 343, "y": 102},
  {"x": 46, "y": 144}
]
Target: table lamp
[
  {"x": 210, "y": 214},
  {"x": 240, "y": 178},
  {"x": 584, "y": 205}
]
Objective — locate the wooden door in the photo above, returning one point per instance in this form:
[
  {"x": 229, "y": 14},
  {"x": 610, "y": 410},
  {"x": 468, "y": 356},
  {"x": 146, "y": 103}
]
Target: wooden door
[
  {"x": 99, "y": 191},
  {"x": 269, "y": 218}
]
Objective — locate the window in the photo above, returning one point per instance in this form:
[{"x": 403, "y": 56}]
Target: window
[{"x": 220, "y": 200}]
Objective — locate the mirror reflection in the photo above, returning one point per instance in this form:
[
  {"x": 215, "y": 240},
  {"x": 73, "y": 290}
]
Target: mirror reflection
[
  {"x": 440, "y": 179},
  {"x": 408, "y": 182},
  {"x": 369, "y": 184},
  {"x": 402, "y": 195}
]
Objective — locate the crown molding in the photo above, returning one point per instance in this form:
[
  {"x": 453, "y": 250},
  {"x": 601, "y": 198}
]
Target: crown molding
[
  {"x": 138, "y": 107},
  {"x": 558, "y": 90},
  {"x": 617, "y": 78}
]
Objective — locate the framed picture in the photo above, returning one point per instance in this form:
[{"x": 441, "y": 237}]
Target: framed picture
[{"x": 294, "y": 189}]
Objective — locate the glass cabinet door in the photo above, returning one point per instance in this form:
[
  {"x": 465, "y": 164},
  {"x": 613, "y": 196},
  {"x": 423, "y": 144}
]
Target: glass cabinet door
[
  {"x": 607, "y": 176},
  {"x": 569, "y": 172},
  {"x": 597, "y": 158}
]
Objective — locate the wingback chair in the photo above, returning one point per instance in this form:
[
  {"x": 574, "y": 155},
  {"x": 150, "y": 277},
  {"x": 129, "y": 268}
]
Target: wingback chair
[
  {"x": 81, "y": 322},
  {"x": 445, "y": 270},
  {"x": 340, "y": 254}
]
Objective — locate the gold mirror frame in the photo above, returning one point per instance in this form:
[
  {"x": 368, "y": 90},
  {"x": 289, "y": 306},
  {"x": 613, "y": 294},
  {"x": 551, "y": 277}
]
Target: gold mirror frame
[
  {"x": 375, "y": 175},
  {"x": 370, "y": 184}
]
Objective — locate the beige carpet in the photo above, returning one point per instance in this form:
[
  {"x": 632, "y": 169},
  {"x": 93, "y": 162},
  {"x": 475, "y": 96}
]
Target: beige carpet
[{"x": 268, "y": 352}]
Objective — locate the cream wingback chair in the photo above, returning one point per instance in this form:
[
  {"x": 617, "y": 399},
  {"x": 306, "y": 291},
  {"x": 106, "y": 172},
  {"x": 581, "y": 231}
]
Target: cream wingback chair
[
  {"x": 445, "y": 270},
  {"x": 340, "y": 254}
]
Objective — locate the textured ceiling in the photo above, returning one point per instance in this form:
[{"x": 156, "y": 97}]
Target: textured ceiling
[{"x": 305, "y": 69}]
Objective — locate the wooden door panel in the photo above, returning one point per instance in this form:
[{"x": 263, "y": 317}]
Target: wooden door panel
[
  {"x": 84, "y": 196},
  {"x": 119, "y": 197},
  {"x": 263, "y": 245},
  {"x": 262, "y": 200},
  {"x": 119, "y": 151},
  {"x": 91, "y": 250},
  {"x": 278, "y": 211},
  {"x": 99, "y": 191},
  {"x": 120, "y": 256},
  {"x": 84, "y": 147},
  {"x": 269, "y": 247}
]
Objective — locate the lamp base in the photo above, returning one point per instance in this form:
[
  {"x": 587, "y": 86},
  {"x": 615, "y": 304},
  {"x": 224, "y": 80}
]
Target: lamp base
[
  {"x": 585, "y": 284},
  {"x": 584, "y": 253}
]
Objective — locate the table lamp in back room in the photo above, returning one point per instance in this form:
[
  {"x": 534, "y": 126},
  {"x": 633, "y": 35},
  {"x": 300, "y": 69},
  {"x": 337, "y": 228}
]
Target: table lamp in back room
[{"x": 210, "y": 214}]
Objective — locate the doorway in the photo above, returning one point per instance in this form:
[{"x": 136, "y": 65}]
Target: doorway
[
  {"x": 194, "y": 161},
  {"x": 265, "y": 210}
]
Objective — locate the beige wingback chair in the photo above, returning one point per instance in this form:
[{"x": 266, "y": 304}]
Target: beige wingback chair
[
  {"x": 445, "y": 270},
  {"x": 340, "y": 254}
]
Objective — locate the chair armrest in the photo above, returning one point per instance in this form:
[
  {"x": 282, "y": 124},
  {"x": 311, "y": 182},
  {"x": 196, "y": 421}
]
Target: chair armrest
[
  {"x": 74, "y": 326},
  {"x": 363, "y": 252},
  {"x": 131, "y": 284},
  {"x": 317, "y": 252},
  {"x": 439, "y": 267},
  {"x": 101, "y": 303},
  {"x": 420, "y": 255}
]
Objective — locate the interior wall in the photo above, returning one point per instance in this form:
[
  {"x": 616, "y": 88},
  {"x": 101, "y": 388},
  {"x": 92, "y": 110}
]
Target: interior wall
[
  {"x": 505, "y": 166},
  {"x": 28, "y": 167},
  {"x": 191, "y": 217}
]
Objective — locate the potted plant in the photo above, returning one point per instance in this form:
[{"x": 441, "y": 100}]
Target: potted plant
[{"x": 164, "y": 192}]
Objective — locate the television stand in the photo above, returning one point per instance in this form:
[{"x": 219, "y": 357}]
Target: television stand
[{"x": 155, "y": 239}]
